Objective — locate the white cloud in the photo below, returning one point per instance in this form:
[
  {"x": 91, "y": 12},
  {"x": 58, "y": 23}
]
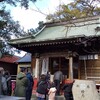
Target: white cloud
[
  {"x": 30, "y": 18},
  {"x": 27, "y": 18},
  {"x": 58, "y": 2},
  {"x": 53, "y": 5}
]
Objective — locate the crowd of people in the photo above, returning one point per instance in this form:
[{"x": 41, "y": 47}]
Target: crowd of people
[
  {"x": 23, "y": 87},
  {"x": 52, "y": 89},
  {"x": 25, "y": 83}
]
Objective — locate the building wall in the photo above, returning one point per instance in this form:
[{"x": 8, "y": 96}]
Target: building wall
[
  {"x": 90, "y": 69},
  {"x": 23, "y": 65},
  {"x": 87, "y": 69}
]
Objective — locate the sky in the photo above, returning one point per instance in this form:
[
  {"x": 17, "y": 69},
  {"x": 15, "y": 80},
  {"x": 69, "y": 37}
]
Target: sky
[{"x": 30, "y": 18}]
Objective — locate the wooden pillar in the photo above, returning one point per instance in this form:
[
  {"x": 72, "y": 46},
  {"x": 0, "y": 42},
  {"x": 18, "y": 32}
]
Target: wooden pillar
[
  {"x": 33, "y": 62},
  {"x": 85, "y": 69},
  {"x": 35, "y": 66},
  {"x": 71, "y": 68},
  {"x": 18, "y": 69},
  {"x": 36, "y": 73}
]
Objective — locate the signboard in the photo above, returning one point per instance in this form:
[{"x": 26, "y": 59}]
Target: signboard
[{"x": 88, "y": 57}]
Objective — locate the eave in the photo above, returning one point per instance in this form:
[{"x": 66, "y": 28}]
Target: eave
[{"x": 49, "y": 42}]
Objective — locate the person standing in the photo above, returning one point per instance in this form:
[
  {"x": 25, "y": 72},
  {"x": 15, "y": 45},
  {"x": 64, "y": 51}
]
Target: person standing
[
  {"x": 58, "y": 78},
  {"x": 21, "y": 84},
  {"x": 48, "y": 79},
  {"x": 52, "y": 92},
  {"x": 30, "y": 85},
  {"x": 67, "y": 88},
  {"x": 3, "y": 83},
  {"x": 48, "y": 76},
  {"x": 42, "y": 88},
  {"x": 8, "y": 79}
]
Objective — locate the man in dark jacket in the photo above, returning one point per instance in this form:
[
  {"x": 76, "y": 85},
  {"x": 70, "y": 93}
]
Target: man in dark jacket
[
  {"x": 68, "y": 91},
  {"x": 30, "y": 86},
  {"x": 58, "y": 77}
]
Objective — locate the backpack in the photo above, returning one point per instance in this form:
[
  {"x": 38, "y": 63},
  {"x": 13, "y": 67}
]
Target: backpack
[{"x": 42, "y": 87}]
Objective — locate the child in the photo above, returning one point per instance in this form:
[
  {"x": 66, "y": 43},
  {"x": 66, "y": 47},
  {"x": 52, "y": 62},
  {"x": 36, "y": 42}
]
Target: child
[{"x": 52, "y": 92}]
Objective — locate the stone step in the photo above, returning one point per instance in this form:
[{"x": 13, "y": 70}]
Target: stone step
[{"x": 56, "y": 98}]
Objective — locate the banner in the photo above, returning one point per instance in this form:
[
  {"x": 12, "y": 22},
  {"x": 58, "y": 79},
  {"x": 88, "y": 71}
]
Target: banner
[{"x": 45, "y": 64}]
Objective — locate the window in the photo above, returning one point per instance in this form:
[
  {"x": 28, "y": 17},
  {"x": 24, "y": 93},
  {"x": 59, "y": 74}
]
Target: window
[
  {"x": 62, "y": 64},
  {"x": 59, "y": 63}
]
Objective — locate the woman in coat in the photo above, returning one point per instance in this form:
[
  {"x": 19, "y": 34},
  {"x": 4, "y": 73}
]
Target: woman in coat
[
  {"x": 42, "y": 88},
  {"x": 21, "y": 84}
]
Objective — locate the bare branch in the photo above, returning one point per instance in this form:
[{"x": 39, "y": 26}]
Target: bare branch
[
  {"x": 2, "y": 0},
  {"x": 38, "y": 11}
]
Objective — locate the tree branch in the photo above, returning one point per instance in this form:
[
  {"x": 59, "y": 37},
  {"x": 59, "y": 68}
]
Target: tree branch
[
  {"x": 38, "y": 11},
  {"x": 2, "y": 0}
]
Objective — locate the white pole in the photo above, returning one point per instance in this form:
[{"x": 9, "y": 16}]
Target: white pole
[
  {"x": 37, "y": 68},
  {"x": 85, "y": 69},
  {"x": 71, "y": 67}
]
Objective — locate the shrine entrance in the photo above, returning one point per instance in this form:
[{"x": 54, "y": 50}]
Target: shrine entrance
[{"x": 62, "y": 64}]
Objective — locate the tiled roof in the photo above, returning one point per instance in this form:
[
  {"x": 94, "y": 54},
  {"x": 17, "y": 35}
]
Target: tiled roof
[
  {"x": 9, "y": 59},
  {"x": 26, "y": 58},
  {"x": 81, "y": 27}
]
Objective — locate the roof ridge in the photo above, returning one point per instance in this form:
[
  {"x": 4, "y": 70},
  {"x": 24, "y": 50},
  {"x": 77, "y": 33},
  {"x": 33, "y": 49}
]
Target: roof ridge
[
  {"x": 21, "y": 38},
  {"x": 34, "y": 35},
  {"x": 83, "y": 19}
]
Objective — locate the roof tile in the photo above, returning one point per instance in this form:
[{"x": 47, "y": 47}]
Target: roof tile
[{"x": 9, "y": 59}]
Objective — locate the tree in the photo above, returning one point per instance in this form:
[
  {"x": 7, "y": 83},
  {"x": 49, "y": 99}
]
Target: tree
[
  {"x": 40, "y": 25},
  {"x": 34, "y": 31},
  {"x": 76, "y": 9},
  {"x": 8, "y": 26},
  {"x": 22, "y": 3}
]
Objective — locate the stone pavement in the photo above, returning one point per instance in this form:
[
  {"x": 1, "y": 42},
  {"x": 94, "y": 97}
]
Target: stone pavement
[
  {"x": 11, "y": 98},
  {"x": 57, "y": 98},
  {"x": 33, "y": 98}
]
